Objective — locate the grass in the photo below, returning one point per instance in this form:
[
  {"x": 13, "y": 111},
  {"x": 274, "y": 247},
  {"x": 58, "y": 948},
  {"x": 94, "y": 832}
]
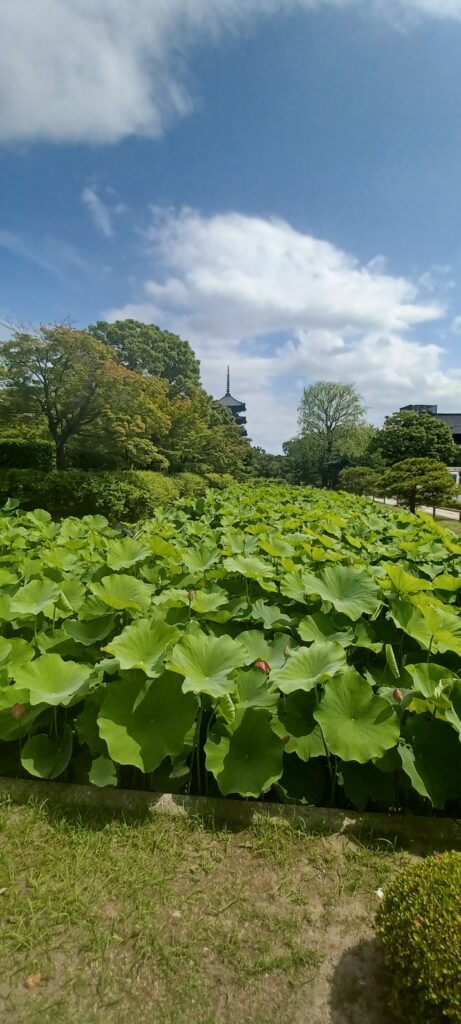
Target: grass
[
  {"x": 170, "y": 920},
  {"x": 450, "y": 524}
]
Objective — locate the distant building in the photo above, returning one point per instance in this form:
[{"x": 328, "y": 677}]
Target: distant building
[
  {"x": 235, "y": 407},
  {"x": 452, "y": 419}
]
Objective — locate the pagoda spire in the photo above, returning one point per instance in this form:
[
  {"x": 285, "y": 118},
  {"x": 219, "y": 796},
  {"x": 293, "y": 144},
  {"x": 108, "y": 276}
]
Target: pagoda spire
[{"x": 228, "y": 382}]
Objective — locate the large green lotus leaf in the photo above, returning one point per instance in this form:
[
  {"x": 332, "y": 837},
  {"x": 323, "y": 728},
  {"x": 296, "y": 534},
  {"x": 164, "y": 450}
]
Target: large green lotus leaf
[
  {"x": 5, "y": 649},
  {"x": 364, "y": 782},
  {"x": 144, "y": 645},
  {"x": 453, "y": 714},
  {"x": 259, "y": 649},
  {"x": 403, "y": 582},
  {"x": 446, "y": 582},
  {"x": 123, "y": 592},
  {"x": 303, "y": 783},
  {"x": 103, "y": 772},
  {"x": 122, "y": 554},
  {"x": 87, "y": 723},
  {"x": 34, "y": 597},
  {"x": 7, "y": 578},
  {"x": 432, "y": 759},
  {"x": 172, "y": 597},
  {"x": 293, "y": 586},
  {"x": 351, "y": 591},
  {"x": 357, "y": 725},
  {"x": 324, "y": 627},
  {"x": 429, "y": 679},
  {"x": 249, "y": 759},
  {"x": 72, "y": 594},
  {"x": 276, "y": 547},
  {"x": 142, "y": 724},
  {"x": 199, "y": 559},
  {"x": 208, "y": 601},
  {"x": 51, "y": 680},
  {"x": 92, "y": 608},
  {"x": 250, "y": 566},
  {"x": 161, "y": 547},
  {"x": 88, "y": 633},
  {"x": 206, "y": 663},
  {"x": 269, "y": 615},
  {"x": 308, "y": 666},
  {"x": 433, "y": 627},
  {"x": 296, "y": 721},
  {"x": 252, "y": 690},
  {"x": 46, "y": 758}
]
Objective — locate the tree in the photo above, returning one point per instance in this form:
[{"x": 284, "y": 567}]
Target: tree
[
  {"x": 331, "y": 425},
  {"x": 359, "y": 480},
  {"x": 204, "y": 437},
  {"x": 66, "y": 384},
  {"x": 414, "y": 435},
  {"x": 268, "y": 466},
  {"x": 145, "y": 348},
  {"x": 418, "y": 482}
]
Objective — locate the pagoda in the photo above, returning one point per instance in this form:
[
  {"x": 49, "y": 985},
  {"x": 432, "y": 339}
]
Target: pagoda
[{"x": 235, "y": 407}]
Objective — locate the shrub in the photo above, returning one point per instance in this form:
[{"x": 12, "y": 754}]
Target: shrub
[
  {"x": 17, "y": 453},
  {"x": 419, "y": 924},
  {"x": 219, "y": 481},
  {"x": 129, "y": 495},
  {"x": 359, "y": 480},
  {"x": 190, "y": 485}
]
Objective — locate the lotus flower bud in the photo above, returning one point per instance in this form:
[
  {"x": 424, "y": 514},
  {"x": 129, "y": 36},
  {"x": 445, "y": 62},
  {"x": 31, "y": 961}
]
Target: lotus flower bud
[
  {"x": 191, "y": 595},
  {"x": 398, "y": 695},
  {"x": 287, "y": 651},
  {"x": 263, "y": 666},
  {"x": 18, "y": 710}
]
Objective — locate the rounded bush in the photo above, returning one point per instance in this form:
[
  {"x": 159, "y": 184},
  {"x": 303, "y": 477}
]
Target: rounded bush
[
  {"x": 419, "y": 925},
  {"x": 127, "y": 495},
  {"x": 190, "y": 485}
]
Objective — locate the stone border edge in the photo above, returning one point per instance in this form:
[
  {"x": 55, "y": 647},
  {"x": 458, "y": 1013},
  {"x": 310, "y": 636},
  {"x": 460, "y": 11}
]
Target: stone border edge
[{"x": 412, "y": 832}]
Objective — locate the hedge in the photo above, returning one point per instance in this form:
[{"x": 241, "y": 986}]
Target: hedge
[{"x": 127, "y": 495}]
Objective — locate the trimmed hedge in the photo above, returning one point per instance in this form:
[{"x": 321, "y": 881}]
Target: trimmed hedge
[
  {"x": 21, "y": 454},
  {"x": 419, "y": 924},
  {"x": 128, "y": 495}
]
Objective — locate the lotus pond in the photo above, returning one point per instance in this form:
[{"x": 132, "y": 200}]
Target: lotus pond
[{"x": 263, "y": 642}]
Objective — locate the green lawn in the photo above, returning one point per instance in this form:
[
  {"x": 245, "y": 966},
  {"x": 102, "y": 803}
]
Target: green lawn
[
  {"x": 169, "y": 921},
  {"x": 451, "y": 524}
]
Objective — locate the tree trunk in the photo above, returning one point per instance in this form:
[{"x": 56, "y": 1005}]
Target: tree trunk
[{"x": 60, "y": 455}]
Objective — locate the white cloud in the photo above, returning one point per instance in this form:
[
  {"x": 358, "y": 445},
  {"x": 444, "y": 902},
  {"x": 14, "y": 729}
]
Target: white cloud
[
  {"x": 98, "y": 210},
  {"x": 284, "y": 309},
  {"x": 99, "y": 70}
]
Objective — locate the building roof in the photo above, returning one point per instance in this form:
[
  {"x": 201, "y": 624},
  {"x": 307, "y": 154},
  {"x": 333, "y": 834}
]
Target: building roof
[{"x": 229, "y": 401}]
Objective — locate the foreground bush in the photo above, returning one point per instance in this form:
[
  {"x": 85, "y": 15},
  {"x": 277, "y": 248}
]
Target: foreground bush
[
  {"x": 419, "y": 924},
  {"x": 128, "y": 495}
]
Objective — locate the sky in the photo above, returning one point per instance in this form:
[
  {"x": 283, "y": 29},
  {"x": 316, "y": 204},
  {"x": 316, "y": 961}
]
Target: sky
[{"x": 278, "y": 181}]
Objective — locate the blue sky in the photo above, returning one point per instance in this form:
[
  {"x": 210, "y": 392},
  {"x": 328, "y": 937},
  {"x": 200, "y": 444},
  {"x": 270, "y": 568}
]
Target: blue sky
[{"x": 276, "y": 180}]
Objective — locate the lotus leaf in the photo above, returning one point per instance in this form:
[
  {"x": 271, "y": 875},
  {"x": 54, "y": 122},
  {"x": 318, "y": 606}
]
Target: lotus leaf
[
  {"x": 308, "y": 666},
  {"x": 357, "y": 725},
  {"x": 144, "y": 645},
  {"x": 247, "y": 759}
]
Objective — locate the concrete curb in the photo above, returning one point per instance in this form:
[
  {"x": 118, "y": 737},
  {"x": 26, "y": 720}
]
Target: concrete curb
[{"x": 415, "y": 834}]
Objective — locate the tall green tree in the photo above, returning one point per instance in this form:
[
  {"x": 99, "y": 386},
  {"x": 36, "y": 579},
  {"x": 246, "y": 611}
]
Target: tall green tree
[
  {"x": 145, "y": 348},
  {"x": 204, "y": 437},
  {"x": 414, "y": 435},
  {"x": 331, "y": 426},
  {"x": 64, "y": 384},
  {"x": 418, "y": 482}
]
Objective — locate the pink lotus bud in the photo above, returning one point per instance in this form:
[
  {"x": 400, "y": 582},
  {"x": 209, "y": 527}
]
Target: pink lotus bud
[
  {"x": 287, "y": 651},
  {"x": 18, "y": 710},
  {"x": 398, "y": 695},
  {"x": 263, "y": 666},
  {"x": 191, "y": 595}
]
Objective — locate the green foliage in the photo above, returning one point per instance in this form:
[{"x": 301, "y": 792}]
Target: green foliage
[
  {"x": 418, "y": 482},
  {"x": 145, "y": 348},
  {"x": 359, "y": 480},
  {"x": 419, "y": 928},
  {"x": 414, "y": 435},
  {"x": 65, "y": 384},
  {"x": 219, "y": 481},
  {"x": 252, "y": 640},
  {"x": 19, "y": 453},
  {"x": 127, "y": 496},
  {"x": 190, "y": 485}
]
